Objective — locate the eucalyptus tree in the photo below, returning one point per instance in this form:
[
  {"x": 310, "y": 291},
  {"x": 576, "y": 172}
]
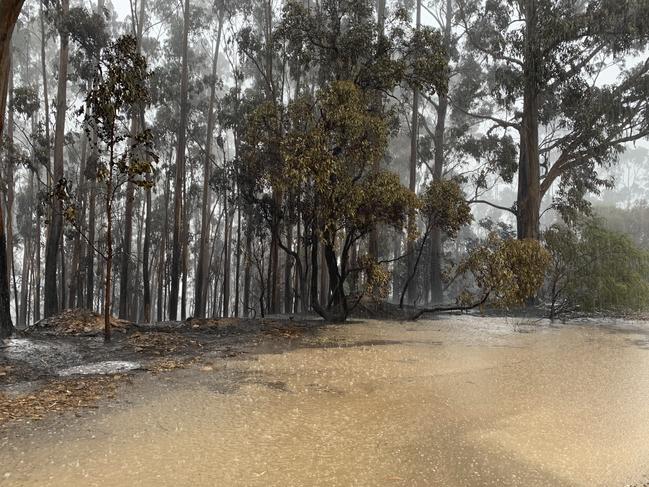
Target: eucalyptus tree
[
  {"x": 258, "y": 42},
  {"x": 9, "y": 11},
  {"x": 138, "y": 20},
  {"x": 89, "y": 34},
  {"x": 339, "y": 40},
  {"x": 180, "y": 166},
  {"x": 569, "y": 81},
  {"x": 120, "y": 86},
  {"x": 53, "y": 244},
  {"x": 412, "y": 177},
  {"x": 22, "y": 155},
  {"x": 325, "y": 156},
  {"x": 219, "y": 12},
  {"x": 440, "y": 141}
]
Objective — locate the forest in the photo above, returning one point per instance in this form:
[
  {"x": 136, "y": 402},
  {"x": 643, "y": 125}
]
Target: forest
[
  {"x": 267, "y": 243},
  {"x": 243, "y": 158}
]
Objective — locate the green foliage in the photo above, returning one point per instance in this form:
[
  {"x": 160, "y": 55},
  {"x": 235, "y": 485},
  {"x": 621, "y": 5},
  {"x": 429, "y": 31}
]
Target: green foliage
[
  {"x": 120, "y": 86},
  {"x": 497, "y": 153},
  {"x": 632, "y": 221},
  {"x": 25, "y": 101},
  {"x": 342, "y": 40},
  {"x": 595, "y": 269},
  {"x": 319, "y": 156},
  {"x": 507, "y": 272},
  {"x": 588, "y": 120},
  {"x": 332, "y": 148},
  {"x": 377, "y": 278},
  {"x": 12, "y": 154},
  {"x": 88, "y": 29},
  {"x": 445, "y": 207}
]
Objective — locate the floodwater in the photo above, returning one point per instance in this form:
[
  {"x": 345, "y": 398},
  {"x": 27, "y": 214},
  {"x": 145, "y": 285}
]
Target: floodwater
[
  {"x": 100, "y": 368},
  {"x": 453, "y": 402}
]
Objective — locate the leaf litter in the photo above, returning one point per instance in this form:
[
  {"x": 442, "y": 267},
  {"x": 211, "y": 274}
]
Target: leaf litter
[{"x": 32, "y": 388}]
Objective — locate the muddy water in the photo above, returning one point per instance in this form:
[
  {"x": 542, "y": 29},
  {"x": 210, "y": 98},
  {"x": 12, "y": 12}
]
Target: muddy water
[{"x": 440, "y": 403}]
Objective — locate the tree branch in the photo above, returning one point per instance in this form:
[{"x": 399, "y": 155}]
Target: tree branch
[
  {"x": 484, "y": 202},
  {"x": 442, "y": 309}
]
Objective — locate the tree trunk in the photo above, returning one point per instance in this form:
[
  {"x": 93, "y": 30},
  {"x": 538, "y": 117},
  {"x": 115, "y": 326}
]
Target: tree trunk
[
  {"x": 26, "y": 271},
  {"x": 125, "y": 294},
  {"x": 180, "y": 172},
  {"x": 135, "y": 296},
  {"x": 145, "y": 261},
  {"x": 304, "y": 275},
  {"x": 436, "y": 258},
  {"x": 336, "y": 292},
  {"x": 163, "y": 253},
  {"x": 75, "y": 285},
  {"x": 46, "y": 108},
  {"x": 373, "y": 246},
  {"x": 24, "y": 286},
  {"x": 396, "y": 278},
  {"x": 227, "y": 238},
  {"x": 247, "y": 266},
  {"x": 37, "y": 273},
  {"x": 90, "y": 252},
  {"x": 529, "y": 191},
  {"x": 436, "y": 249},
  {"x": 62, "y": 274},
  {"x": 202, "y": 271},
  {"x": 336, "y": 309},
  {"x": 324, "y": 280},
  {"x": 288, "y": 269},
  {"x": 125, "y": 260},
  {"x": 91, "y": 174},
  {"x": 6, "y": 325},
  {"x": 414, "y": 147},
  {"x": 9, "y": 11},
  {"x": 109, "y": 255},
  {"x": 10, "y": 184},
  {"x": 314, "y": 270},
  {"x": 237, "y": 271},
  {"x": 217, "y": 297},
  {"x": 185, "y": 248},
  {"x": 56, "y": 224}
]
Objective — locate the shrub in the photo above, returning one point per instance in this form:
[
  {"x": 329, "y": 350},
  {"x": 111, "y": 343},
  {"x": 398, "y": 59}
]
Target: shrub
[{"x": 595, "y": 269}]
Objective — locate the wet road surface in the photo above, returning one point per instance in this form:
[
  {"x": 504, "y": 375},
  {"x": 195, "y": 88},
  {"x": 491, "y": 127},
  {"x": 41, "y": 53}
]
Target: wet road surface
[{"x": 453, "y": 402}]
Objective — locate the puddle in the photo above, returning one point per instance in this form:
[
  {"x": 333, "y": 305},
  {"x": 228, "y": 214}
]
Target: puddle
[
  {"x": 460, "y": 402},
  {"x": 40, "y": 353},
  {"x": 107, "y": 367}
]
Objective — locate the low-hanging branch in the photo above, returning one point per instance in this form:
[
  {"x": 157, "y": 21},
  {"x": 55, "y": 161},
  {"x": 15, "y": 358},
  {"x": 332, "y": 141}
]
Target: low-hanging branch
[{"x": 446, "y": 309}]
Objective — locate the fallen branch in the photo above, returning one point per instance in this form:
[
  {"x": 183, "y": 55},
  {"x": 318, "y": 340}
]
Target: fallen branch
[{"x": 444, "y": 309}]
